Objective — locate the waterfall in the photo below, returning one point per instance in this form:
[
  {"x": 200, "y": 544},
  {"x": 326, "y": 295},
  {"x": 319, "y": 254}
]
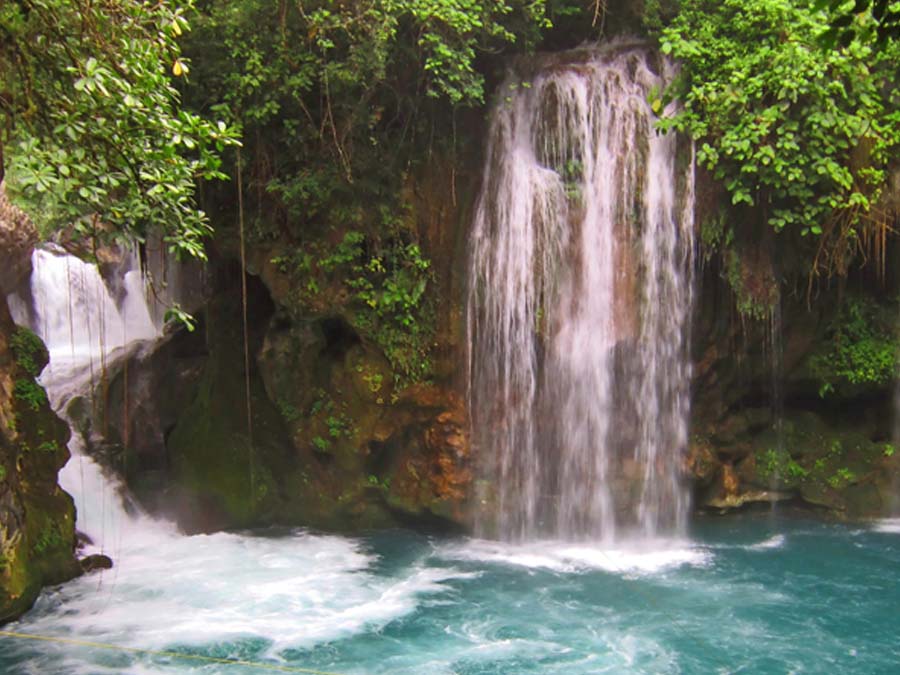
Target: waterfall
[
  {"x": 580, "y": 290},
  {"x": 85, "y": 323}
]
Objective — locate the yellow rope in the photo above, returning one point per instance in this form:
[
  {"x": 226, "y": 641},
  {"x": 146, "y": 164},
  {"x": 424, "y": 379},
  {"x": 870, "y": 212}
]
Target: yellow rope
[{"x": 173, "y": 655}]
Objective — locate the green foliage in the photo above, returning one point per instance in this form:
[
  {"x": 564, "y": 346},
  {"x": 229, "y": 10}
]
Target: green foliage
[
  {"x": 715, "y": 235},
  {"x": 373, "y": 481},
  {"x": 768, "y": 463},
  {"x": 843, "y": 476},
  {"x": 340, "y": 100},
  {"x": 861, "y": 349},
  {"x": 385, "y": 282},
  {"x": 48, "y": 447},
  {"x": 794, "y": 470},
  {"x": 2, "y": 472},
  {"x": 755, "y": 292},
  {"x": 332, "y": 419},
  {"x": 572, "y": 173},
  {"x": 374, "y": 381},
  {"x": 97, "y": 135},
  {"x": 29, "y": 393},
  {"x": 321, "y": 402},
  {"x": 339, "y": 426},
  {"x": 878, "y": 21},
  {"x": 800, "y": 133},
  {"x": 779, "y": 463},
  {"x": 288, "y": 411},
  {"x": 175, "y": 314},
  {"x": 363, "y": 45},
  {"x": 28, "y": 350},
  {"x": 340, "y": 104},
  {"x": 889, "y": 450}
]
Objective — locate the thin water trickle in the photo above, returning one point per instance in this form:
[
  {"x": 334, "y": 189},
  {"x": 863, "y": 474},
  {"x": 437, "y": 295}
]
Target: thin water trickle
[
  {"x": 580, "y": 292},
  {"x": 776, "y": 399}
]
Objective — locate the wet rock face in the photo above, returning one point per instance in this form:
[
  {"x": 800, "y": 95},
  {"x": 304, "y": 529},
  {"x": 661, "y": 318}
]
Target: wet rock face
[
  {"x": 762, "y": 434},
  {"x": 831, "y": 462},
  {"x": 364, "y": 453},
  {"x": 142, "y": 394},
  {"x": 336, "y": 444},
  {"x": 37, "y": 519}
]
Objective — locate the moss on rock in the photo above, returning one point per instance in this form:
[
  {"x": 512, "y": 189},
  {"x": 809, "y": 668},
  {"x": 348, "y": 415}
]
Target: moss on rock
[
  {"x": 37, "y": 519},
  {"x": 224, "y": 478}
]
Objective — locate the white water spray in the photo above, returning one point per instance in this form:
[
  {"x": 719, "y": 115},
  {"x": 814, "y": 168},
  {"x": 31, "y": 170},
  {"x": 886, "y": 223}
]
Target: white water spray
[{"x": 580, "y": 295}]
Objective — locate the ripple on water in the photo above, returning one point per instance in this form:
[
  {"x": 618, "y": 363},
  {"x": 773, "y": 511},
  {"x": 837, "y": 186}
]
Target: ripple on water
[{"x": 749, "y": 601}]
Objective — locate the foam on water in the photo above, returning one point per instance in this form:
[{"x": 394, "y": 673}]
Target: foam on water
[
  {"x": 889, "y": 525},
  {"x": 291, "y": 591},
  {"x": 398, "y": 603},
  {"x": 775, "y": 541},
  {"x": 638, "y": 557}
]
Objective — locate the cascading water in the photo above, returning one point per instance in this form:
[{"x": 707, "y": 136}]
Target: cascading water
[
  {"x": 580, "y": 294},
  {"x": 83, "y": 325}
]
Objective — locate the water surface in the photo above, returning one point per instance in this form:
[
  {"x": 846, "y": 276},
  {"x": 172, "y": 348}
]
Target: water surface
[{"x": 748, "y": 595}]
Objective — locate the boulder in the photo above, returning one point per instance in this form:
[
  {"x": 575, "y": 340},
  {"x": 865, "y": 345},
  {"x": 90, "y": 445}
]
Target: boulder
[{"x": 96, "y": 562}]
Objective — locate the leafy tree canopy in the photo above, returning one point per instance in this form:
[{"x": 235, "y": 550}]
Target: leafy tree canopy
[
  {"x": 94, "y": 133},
  {"x": 337, "y": 97},
  {"x": 875, "y": 19},
  {"x": 800, "y": 132}
]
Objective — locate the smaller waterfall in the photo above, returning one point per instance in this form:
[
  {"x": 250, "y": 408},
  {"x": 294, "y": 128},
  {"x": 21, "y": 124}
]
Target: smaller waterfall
[
  {"x": 84, "y": 323},
  {"x": 580, "y": 289}
]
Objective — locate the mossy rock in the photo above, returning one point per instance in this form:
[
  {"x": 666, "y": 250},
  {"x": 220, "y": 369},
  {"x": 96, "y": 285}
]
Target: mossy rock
[
  {"x": 213, "y": 463},
  {"x": 37, "y": 519}
]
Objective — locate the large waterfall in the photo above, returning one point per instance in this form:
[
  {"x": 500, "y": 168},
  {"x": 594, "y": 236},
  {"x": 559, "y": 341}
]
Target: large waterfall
[{"x": 579, "y": 303}]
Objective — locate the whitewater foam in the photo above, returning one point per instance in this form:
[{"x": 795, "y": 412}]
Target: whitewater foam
[
  {"x": 775, "y": 541},
  {"x": 889, "y": 525},
  {"x": 639, "y": 557},
  {"x": 293, "y": 591}
]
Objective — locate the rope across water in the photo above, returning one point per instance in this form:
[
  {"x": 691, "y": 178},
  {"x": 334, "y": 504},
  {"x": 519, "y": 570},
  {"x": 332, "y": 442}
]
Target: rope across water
[{"x": 162, "y": 653}]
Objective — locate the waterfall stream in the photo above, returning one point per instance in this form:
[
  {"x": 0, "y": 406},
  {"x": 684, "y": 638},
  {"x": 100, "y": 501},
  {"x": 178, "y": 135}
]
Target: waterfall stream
[
  {"x": 86, "y": 323},
  {"x": 579, "y": 301}
]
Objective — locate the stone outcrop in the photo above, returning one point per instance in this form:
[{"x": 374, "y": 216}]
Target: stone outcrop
[
  {"x": 336, "y": 443},
  {"x": 95, "y": 563},
  {"x": 18, "y": 236},
  {"x": 37, "y": 519},
  {"x": 766, "y": 428}
]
